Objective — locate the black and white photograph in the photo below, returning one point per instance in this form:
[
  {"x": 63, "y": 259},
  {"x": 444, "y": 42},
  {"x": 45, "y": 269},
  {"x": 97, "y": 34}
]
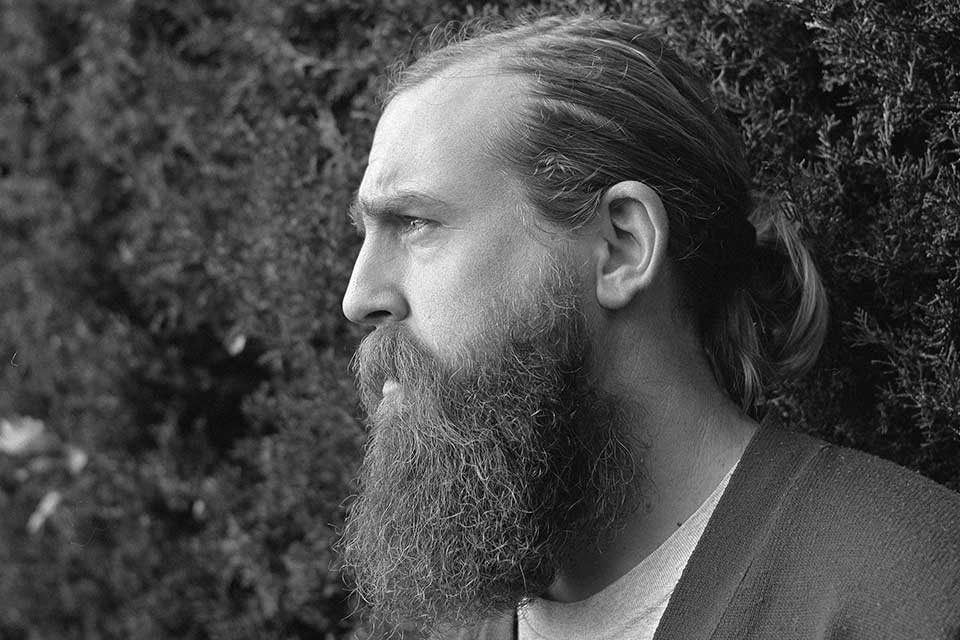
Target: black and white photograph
[{"x": 497, "y": 320}]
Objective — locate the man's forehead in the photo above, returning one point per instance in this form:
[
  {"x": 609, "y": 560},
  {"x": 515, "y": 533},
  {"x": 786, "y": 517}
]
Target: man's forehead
[
  {"x": 459, "y": 107},
  {"x": 434, "y": 139}
]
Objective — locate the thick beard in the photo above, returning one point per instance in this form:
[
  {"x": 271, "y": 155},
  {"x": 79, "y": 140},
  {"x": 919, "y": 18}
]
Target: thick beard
[{"x": 482, "y": 476}]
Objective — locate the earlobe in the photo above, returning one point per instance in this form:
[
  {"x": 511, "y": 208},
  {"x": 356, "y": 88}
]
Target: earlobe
[{"x": 632, "y": 246}]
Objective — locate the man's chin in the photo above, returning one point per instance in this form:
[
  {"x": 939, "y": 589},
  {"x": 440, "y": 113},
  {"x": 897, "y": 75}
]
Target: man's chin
[
  {"x": 442, "y": 539},
  {"x": 450, "y": 532}
]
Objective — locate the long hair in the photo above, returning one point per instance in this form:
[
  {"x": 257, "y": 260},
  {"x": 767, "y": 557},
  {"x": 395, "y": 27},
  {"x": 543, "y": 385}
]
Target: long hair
[{"x": 608, "y": 102}]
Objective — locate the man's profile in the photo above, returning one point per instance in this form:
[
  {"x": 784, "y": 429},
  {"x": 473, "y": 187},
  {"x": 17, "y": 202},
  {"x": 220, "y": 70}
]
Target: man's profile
[{"x": 576, "y": 301}]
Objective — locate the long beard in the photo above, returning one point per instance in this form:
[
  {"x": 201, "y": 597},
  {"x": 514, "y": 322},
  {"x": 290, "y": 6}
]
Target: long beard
[{"x": 483, "y": 474}]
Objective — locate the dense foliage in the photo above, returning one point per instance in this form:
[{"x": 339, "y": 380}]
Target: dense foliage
[{"x": 179, "y": 425}]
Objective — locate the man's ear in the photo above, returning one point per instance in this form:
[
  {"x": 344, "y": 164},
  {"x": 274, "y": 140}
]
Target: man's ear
[{"x": 632, "y": 246}]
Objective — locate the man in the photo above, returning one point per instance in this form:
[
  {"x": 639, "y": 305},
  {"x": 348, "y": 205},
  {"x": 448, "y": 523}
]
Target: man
[{"x": 575, "y": 303}]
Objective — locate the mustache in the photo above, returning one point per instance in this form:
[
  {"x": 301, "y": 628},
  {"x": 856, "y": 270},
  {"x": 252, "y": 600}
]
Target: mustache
[{"x": 390, "y": 352}]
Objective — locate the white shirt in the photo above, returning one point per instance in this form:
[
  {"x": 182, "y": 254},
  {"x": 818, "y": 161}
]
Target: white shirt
[{"x": 632, "y": 606}]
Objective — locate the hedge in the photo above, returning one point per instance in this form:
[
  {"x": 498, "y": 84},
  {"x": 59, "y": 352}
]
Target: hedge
[{"x": 180, "y": 430}]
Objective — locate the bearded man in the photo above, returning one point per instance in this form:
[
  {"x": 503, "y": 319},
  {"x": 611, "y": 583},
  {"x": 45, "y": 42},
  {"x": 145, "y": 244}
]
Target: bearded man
[{"x": 576, "y": 305}]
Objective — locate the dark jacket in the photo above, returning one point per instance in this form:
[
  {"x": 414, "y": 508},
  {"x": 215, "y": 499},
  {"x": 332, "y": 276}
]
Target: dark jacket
[{"x": 812, "y": 540}]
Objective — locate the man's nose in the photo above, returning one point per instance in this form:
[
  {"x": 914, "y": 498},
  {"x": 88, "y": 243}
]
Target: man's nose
[{"x": 374, "y": 295}]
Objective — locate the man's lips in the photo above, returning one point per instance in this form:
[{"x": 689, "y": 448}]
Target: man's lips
[{"x": 390, "y": 387}]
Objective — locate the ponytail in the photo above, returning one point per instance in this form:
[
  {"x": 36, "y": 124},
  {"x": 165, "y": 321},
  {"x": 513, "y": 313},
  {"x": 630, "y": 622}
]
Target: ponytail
[{"x": 770, "y": 326}]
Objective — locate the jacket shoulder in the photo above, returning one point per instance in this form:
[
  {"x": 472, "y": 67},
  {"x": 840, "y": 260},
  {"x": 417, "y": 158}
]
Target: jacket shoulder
[
  {"x": 877, "y": 544},
  {"x": 870, "y": 491}
]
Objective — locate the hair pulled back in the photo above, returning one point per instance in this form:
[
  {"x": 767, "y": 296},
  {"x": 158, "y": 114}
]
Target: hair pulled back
[{"x": 609, "y": 102}]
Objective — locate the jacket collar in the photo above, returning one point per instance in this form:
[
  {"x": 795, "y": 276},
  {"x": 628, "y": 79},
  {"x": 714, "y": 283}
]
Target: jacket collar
[{"x": 771, "y": 464}]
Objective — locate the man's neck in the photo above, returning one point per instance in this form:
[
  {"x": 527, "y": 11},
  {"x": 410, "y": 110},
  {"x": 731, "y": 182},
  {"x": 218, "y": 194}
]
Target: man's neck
[{"x": 691, "y": 436}]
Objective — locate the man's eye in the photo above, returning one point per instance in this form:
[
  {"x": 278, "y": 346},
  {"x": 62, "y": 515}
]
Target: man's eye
[{"x": 409, "y": 224}]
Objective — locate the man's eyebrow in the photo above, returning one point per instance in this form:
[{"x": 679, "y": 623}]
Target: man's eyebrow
[{"x": 378, "y": 208}]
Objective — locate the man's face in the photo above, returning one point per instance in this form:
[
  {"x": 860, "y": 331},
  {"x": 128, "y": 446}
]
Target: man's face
[
  {"x": 442, "y": 233},
  {"x": 492, "y": 454}
]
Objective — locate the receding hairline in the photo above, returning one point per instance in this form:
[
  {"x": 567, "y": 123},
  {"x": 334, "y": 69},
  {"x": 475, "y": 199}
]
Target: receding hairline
[{"x": 489, "y": 66}]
